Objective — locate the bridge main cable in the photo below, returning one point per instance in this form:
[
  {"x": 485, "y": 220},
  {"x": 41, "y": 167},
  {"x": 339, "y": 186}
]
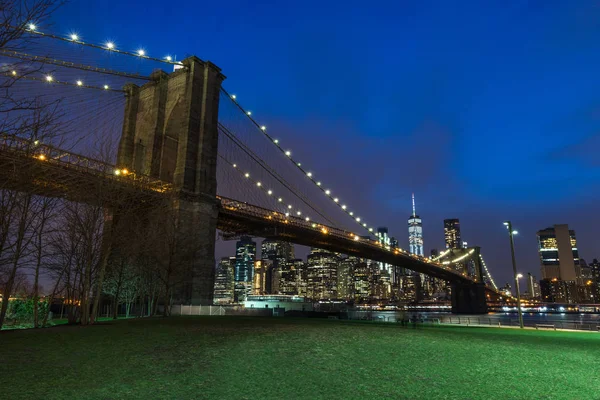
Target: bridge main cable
[
  {"x": 68, "y": 64},
  {"x": 109, "y": 46}
]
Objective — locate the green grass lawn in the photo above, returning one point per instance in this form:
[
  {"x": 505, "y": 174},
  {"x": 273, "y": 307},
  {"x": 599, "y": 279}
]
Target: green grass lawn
[{"x": 269, "y": 358}]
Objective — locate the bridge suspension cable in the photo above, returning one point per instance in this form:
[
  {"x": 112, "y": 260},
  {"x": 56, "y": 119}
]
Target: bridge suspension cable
[
  {"x": 254, "y": 157},
  {"x": 287, "y": 209},
  {"x": 307, "y": 173}
]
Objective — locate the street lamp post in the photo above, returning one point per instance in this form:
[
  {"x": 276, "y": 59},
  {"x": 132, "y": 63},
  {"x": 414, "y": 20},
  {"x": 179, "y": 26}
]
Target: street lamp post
[{"x": 511, "y": 233}]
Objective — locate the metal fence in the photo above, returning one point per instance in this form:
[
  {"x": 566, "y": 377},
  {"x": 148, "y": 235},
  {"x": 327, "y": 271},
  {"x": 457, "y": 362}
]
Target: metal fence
[{"x": 484, "y": 320}]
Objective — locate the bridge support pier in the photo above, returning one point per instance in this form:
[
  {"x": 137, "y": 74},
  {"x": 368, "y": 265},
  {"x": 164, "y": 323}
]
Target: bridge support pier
[
  {"x": 469, "y": 298},
  {"x": 170, "y": 132}
]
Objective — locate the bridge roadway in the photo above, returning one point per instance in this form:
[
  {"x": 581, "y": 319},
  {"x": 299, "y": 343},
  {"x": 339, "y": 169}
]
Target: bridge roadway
[
  {"x": 26, "y": 165},
  {"x": 239, "y": 217}
]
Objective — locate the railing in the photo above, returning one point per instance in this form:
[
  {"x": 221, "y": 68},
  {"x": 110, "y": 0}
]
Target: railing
[{"x": 53, "y": 155}]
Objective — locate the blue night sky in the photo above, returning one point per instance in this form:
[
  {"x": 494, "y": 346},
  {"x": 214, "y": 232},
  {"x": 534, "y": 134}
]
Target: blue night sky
[{"x": 486, "y": 111}]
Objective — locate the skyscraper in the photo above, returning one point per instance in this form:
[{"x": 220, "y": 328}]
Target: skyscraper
[
  {"x": 224, "y": 281},
  {"x": 275, "y": 254},
  {"x": 245, "y": 254},
  {"x": 322, "y": 275},
  {"x": 276, "y": 250},
  {"x": 415, "y": 232},
  {"x": 452, "y": 233},
  {"x": 560, "y": 266}
]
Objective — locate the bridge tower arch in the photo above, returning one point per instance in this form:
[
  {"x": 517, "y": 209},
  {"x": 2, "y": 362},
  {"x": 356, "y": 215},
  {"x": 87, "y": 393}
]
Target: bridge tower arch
[{"x": 170, "y": 132}]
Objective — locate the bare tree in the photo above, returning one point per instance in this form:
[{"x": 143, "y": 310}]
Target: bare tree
[{"x": 16, "y": 16}]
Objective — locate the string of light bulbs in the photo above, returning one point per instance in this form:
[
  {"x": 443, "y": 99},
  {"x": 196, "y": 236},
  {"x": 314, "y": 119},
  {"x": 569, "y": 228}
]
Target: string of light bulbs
[
  {"x": 109, "y": 45},
  {"x": 48, "y": 78},
  {"x": 307, "y": 173},
  {"x": 488, "y": 272},
  {"x": 289, "y": 209}
]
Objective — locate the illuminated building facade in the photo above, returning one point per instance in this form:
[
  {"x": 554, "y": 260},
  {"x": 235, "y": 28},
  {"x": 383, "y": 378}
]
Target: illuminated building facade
[
  {"x": 452, "y": 233},
  {"x": 560, "y": 265},
  {"x": 275, "y": 254},
  {"x": 415, "y": 232},
  {"x": 224, "y": 284},
  {"x": 245, "y": 255},
  {"x": 322, "y": 275},
  {"x": 292, "y": 279}
]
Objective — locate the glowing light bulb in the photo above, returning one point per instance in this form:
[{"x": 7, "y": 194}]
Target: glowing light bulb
[
  {"x": 287, "y": 214},
  {"x": 336, "y": 199},
  {"x": 247, "y": 175},
  {"x": 14, "y": 73},
  {"x": 74, "y": 37},
  {"x": 31, "y": 27},
  {"x": 299, "y": 213},
  {"x": 270, "y": 192},
  {"x": 110, "y": 45},
  {"x": 344, "y": 207},
  {"x": 318, "y": 183},
  {"x": 357, "y": 219},
  {"x": 258, "y": 184},
  {"x": 309, "y": 174},
  {"x": 117, "y": 172},
  {"x": 280, "y": 199},
  {"x": 105, "y": 87},
  {"x": 169, "y": 58},
  {"x": 299, "y": 164},
  {"x": 233, "y": 96},
  {"x": 307, "y": 219},
  {"x": 141, "y": 52},
  {"x": 49, "y": 78},
  {"x": 79, "y": 83},
  {"x": 264, "y": 128},
  {"x": 249, "y": 112},
  {"x": 328, "y": 192},
  {"x": 276, "y": 141},
  {"x": 290, "y": 206},
  {"x": 288, "y": 153},
  {"x": 234, "y": 165},
  {"x": 351, "y": 213},
  {"x": 370, "y": 229},
  {"x": 365, "y": 225}
]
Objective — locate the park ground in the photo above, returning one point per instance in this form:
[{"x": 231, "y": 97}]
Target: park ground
[{"x": 281, "y": 358}]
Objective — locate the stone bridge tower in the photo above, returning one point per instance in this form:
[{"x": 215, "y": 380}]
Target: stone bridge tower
[{"x": 170, "y": 132}]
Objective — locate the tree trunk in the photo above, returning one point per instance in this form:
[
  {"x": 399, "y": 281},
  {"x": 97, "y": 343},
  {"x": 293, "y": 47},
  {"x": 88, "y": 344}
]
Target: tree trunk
[
  {"x": 106, "y": 249},
  {"x": 17, "y": 256}
]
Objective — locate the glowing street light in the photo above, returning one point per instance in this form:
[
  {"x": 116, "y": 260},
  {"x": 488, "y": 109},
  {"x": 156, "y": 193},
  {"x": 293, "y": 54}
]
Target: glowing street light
[
  {"x": 110, "y": 45},
  {"x": 516, "y": 275},
  {"x": 74, "y": 37}
]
